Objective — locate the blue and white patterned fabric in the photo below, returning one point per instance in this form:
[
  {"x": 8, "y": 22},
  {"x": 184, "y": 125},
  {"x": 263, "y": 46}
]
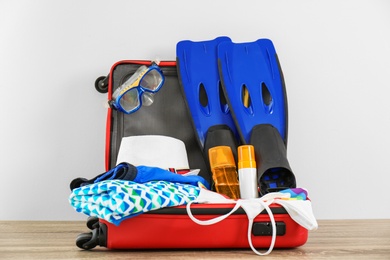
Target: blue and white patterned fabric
[{"x": 116, "y": 200}]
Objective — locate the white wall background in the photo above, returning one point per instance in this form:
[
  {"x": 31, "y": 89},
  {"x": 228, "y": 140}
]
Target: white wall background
[{"x": 335, "y": 57}]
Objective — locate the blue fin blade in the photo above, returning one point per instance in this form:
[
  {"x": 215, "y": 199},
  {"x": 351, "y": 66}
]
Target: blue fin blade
[
  {"x": 254, "y": 68},
  {"x": 200, "y": 81}
]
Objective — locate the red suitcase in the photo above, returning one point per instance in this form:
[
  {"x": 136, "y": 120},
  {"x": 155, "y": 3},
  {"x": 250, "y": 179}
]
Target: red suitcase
[{"x": 171, "y": 227}]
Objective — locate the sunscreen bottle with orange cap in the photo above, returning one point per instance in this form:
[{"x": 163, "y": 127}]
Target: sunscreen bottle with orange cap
[{"x": 247, "y": 172}]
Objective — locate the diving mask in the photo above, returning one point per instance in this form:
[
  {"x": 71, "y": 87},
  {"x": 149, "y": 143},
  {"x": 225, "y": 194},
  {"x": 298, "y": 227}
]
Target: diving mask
[{"x": 138, "y": 89}]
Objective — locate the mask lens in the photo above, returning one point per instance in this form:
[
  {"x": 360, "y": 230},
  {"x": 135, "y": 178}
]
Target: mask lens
[
  {"x": 147, "y": 99},
  {"x": 152, "y": 80},
  {"x": 130, "y": 100}
]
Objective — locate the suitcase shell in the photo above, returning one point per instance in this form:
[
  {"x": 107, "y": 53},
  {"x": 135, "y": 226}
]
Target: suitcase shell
[
  {"x": 171, "y": 228},
  {"x": 174, "y": 229}
]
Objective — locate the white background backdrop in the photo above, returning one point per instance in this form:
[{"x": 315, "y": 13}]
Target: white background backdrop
[{"x": 335, "y": 56}]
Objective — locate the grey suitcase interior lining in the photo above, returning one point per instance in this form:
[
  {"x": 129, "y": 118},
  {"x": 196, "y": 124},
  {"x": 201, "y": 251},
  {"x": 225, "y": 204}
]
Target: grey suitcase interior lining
[{"x": 168, "y": 116}]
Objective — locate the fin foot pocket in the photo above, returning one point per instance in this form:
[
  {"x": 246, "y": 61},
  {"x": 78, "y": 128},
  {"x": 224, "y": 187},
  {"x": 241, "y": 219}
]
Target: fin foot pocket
[
  {"x": 273, "y": 170},
  {"x": 220, "y": 135},
  {"x": 276, "y": 179}
]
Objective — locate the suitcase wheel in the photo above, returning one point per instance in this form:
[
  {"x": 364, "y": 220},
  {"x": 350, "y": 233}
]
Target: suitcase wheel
[
  {"x": 86, "y": 241},
  {"x": 101, "y": 84},
  {"x": 97, "y": 237}
]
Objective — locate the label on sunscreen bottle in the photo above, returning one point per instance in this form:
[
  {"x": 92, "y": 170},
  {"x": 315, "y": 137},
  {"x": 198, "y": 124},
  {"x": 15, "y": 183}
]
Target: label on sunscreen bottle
[{"x": 247, "y": 172}]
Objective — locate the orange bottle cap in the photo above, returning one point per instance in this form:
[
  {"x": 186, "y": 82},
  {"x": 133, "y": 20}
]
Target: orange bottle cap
[
  {"x": 246, "y": 157},
  {"x": 221, "y": 156}
]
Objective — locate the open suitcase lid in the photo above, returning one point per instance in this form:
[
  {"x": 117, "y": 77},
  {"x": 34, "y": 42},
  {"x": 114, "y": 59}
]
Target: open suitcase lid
[{"x": 167, "y": 116}]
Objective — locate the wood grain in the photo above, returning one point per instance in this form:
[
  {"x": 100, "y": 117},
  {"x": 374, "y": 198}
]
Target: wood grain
[{"x": 335, "y": 239}]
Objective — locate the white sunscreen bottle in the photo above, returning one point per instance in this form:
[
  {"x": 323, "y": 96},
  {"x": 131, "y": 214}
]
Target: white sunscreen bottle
[{"x": 247, "y": 172}]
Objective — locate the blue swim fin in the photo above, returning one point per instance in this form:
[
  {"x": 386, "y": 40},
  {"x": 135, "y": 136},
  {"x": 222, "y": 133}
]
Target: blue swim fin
[
  {"x": 199, "y": 78},
  {"x": 253, "y": 84}
]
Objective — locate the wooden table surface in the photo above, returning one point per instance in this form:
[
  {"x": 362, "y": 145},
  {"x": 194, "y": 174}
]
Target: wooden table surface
[{"x": 335, "y": 239}]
